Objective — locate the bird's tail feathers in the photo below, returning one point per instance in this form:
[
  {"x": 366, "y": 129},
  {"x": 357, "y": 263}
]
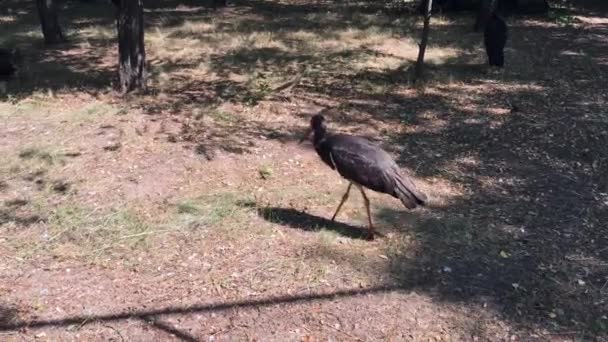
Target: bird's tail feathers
[{"x": 407, "y": 192}]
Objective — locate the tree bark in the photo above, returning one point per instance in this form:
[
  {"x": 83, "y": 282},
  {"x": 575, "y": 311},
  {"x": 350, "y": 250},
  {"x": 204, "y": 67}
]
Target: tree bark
[
  {"x": 47, "y": 10},
  {"x": 423, "y": 42},
  {"x": 132, "y": 54}
]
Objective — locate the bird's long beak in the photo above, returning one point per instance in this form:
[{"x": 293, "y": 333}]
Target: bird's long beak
[{"x": 306, "y": 135}]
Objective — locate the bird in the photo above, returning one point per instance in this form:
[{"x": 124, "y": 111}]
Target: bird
[
  {"x": 495, "y": 38},
  {"x": 7, "y": 67},
  {"x": 364, "y": 165}
]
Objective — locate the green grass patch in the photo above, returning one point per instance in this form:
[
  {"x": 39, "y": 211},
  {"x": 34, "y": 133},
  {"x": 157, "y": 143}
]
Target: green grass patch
[
  {"x": 74, "y": 231},
  {"x": 44, "y": 155},
  {"x": 265, "y": 172},
  {"x": 218, "y": 211}
]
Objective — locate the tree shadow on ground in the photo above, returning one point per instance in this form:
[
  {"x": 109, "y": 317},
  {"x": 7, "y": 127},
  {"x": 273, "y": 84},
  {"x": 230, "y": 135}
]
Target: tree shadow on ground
[
  {"x": 153, "y": 314},
  {"x": 527, "y": 233},
  {"x": 528, "y": 146}
]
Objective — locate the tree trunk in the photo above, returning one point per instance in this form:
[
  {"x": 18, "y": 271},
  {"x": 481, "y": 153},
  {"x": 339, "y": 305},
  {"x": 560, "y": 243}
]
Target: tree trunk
[
  {"x": 132, "y": 54},
  {"x": 425, "y": 38},
  {"x": 51, "y": 30}
]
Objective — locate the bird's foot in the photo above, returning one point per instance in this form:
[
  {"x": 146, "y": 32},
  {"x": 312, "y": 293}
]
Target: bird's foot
[{"x": 369, "y": 236}]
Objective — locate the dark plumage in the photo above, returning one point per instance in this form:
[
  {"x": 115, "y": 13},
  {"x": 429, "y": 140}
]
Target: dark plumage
[
  {"x": 7, "y": 66},
  {"x": 363, "y": 164},
  {"x": 495, "y": 39}
]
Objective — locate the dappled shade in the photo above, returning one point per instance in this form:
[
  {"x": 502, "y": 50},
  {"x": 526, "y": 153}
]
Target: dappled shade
[{"x": 513, "y": 161}]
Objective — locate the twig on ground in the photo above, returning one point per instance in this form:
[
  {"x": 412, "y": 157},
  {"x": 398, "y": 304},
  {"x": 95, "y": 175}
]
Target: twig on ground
[
  {"x": 287, "y": 86},
  {"x": 115, "y": 330}
]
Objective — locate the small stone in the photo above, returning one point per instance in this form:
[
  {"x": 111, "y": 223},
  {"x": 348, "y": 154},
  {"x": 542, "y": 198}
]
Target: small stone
[{"x": 61, "y": 186}]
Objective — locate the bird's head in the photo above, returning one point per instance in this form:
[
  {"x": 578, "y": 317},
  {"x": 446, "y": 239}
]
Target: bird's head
[{"x": 317, "y": 123}]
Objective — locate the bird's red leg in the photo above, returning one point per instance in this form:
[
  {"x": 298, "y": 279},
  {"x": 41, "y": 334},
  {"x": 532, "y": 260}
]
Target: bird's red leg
[
  {"x": 370, "y": 235},
  {"x": 344, "y": 198}
]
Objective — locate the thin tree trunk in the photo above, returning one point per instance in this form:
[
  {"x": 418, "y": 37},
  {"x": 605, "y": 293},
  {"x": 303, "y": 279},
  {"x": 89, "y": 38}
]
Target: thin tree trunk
[
  {"x": 47, "y": 10},
  {"x": 132, "y": 54},
  {"x": 423, "y": 42}
]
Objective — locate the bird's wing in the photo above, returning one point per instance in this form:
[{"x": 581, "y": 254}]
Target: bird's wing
[{"x": 362, "y": 162}]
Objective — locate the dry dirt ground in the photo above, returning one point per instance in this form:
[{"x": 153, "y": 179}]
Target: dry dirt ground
[{"x": 191, "y": 213}]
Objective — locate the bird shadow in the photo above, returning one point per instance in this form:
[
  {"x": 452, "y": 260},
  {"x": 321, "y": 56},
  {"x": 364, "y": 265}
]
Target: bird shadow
[{"x": 304, "y": 221}]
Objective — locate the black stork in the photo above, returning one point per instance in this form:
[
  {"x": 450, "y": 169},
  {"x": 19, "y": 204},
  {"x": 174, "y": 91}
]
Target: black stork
[
  {"x": 363, "y": 164},
  {"x": 7, "y": 67},
  {"x": 495, "y": 38}
]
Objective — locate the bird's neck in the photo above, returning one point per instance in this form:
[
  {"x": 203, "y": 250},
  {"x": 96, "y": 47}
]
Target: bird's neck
[{"x": 319, "y": 135}]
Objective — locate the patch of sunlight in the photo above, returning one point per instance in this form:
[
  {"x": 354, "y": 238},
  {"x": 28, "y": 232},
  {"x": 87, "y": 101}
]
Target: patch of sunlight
[
  {"x": 348, "y": 38},
  {"x": 98, "y": 32},
  {"x": 384, "y": 63},
  {"x": 175, "y": 50},
  {"x": 327, "y": 237},
  {"x": 7, "y": 109},
  {"x": 92, "y": 112},
  {"x": 266, "y": 39},
  {"x": 406, "y": 48},
  {"x": 442, "y": 20},
  {"x": 304, "y": 36},
  {"x": 43, "y": 107},
  {"x": 31, "y": 34},
  {"x": 5, "y": 19},
  {"x": 221, "y": 212},
  {"x": 436, "y": 55},
  {"x": 592, "y": 20},
  {"x": 497, "y": 184},
  {"x": 511, "y": 230},
  {"x": 179, "y": 8},
  {"x": 163, "y": 80},
  {"x": 468, "y": 160},
  {"x": 93, "y": 231},
  {"x": 231, "y": 42},
  {"x": 39, "y": 99},
  {"x": 603, "y": 198},
  {"x": 194, "y": 27},
  {"x": 432, "y": 125},
  {"x": 331, "y": 44},
  {"x": 573, "y": 53}
]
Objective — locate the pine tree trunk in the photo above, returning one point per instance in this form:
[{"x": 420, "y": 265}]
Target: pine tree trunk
[
  {"x": 47, "y": 10},
  {"x": 423, "y": 42},
  {"x": 132, "y": 54}
]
